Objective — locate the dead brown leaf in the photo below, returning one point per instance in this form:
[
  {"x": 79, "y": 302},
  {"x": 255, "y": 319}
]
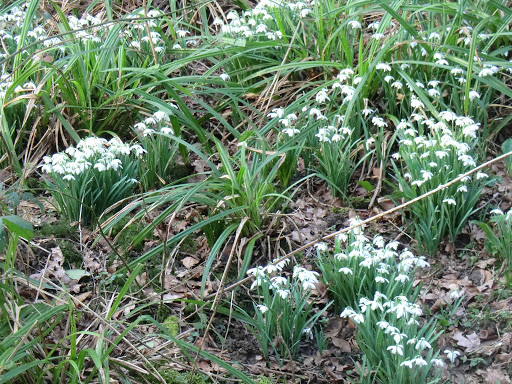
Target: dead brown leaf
[
  {"x": 470, "y": 342},
  {"x": 189, "y": 262}
]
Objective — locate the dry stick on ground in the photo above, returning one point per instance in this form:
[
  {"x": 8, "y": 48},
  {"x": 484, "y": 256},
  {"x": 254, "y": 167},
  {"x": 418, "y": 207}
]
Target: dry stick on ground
[{"x": 373, "y": 218}]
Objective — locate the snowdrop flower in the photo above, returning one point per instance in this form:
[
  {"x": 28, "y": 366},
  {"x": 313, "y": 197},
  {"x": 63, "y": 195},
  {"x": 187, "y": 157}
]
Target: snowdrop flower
[
  {"x": 383, "y": 67},
  {"x": 434, "y": 92},
  {"x": 451, "y": 355},
  {"x": 367, "y": 111},
  {"x": 308, "y": 333},
  {"x": 224, "y": 76},
  {"x": 346, "y": 271},
  {"x": 497, "y": 212},
  {"x": 321, "y": 96},
  {"x": 290, "y": 131},
  {"x": 437, "y": 362},
  {"x": 450, "y": 201},
  {"x": 396, "y": 349},
  {"x": 473, "y": 95},
  {"x": 379, "y": 122},
  {"x": 454, "y": 295},
  {"x": 402, "y": 278},
  {"x": 276, "y": 112},
  {"x": 283, "y": 293},
  {"x": 388, "y": 78},
  {"x": 481, "y": 175},
  {"x": 415, "y": 103},
  {"x": 161, "y": 116},
  {"x": 182, "y": 33},
  {"x": 378, "y": 36},
  {"x": 322, "y": 247},
  {"x": 422, "y": 344},
  {"x": 486, "y": 72},
  {"x": 456, "y": 71},
  {"x": 262, "y": 308},
  {"x": 354, "y": 24},
  {"x": 380, "y": 279}
]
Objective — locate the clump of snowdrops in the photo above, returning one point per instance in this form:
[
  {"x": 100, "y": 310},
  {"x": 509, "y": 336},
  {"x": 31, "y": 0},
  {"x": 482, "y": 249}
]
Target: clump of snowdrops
[
  {"x": 498, "y": 234},
  {"x": 433, "y": 152},
  {"x": 87, "y": 179},
  {"x": 154, "y": 135},
  {"x": 284, "y": 313},
  {"x": 360, "y": 267}
]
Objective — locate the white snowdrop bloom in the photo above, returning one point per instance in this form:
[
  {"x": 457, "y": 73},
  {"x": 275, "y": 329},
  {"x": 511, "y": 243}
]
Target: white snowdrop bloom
[
  {"x": 315, "y": 112},
  {"x": 432, "y": 164},
  {"x": 262, "y": 308},
  {"x": 456, "y": 71},
  {"x": 347, "y": 312},
  {"x": 304, "y": 12},
  {"x": 380, "y": 279},
  {"x": 374, "y": 25},
  {"x": 167, "y": 131},
  {"x": 416, "y": 103},
  {"x": 419, "y": 361},
  {"x": 354, "y": 24},
  {"x": 451, "y": 355},
  {"x": 357, "y": 318},
  {"x": 418, "y": 183},
  {"x": 422, "y": 344},
  {"x": 345, "y": 271},
  {"x": 290, "y": 131},
  {"x": 308, "y": 333},
  {"x": 462, "y": 189},
  {"x": 396, "y": 349},
  {"x": 397, "y": 85},
  {"x": 407, "y": 363},
  {"x": 276, "y": 112},
  {"x": 322, "y": 247},
  {"x": 323, "y": 135},
  {"x": 454, "y": 295},
  {"x": 441, "y": 154},
  {"x": 283, "y": 293},
  {"x": 470, "y": 130},
  {"x": 68, "y": 177},
  {"x": 382, "y": 324},
  {"x": 473, "y": 95},
  {"x": 383, "y": 67},
  {"x": 161, "y": 116},
  {"x": 486, "y": 72},
  {"x": 434, "y": 36},
  {"x": 413, "y": 44},
  {"x": 442, "y": 62},
  {"x": 467, "y": 160},
  {"x": 427, "y": 175},
  {"x": 367, "y": 111},
  {"x": 224, "y": 76},
  {"x": 388, "y": 78},
  {"x": 402, "y": 278},
  {"x": 497, "y": 212},
  {"x": 379, "y": 122},
  {"x": 321, "y": 96},
  {"x": 397, "y": 337},
  {"x": 395, "y": 156},
  {"x": 437, "y": 362},
  {"x": 481, "y": 175},
  {"x": 378, "y": 36},
  {"x": 447, "y": 115},
  {"x": 407, "y": 176},
  {"x": 358, "y": 79},
  {"x": 433, "y": 83},
  {"x": 434, "y": 92}
]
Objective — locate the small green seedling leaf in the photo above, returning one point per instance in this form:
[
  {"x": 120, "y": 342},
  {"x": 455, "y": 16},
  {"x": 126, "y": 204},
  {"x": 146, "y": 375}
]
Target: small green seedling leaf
[
  {"x": 76, "y": 274},
  {"x": 19, "y": 226},
  {"x": 506, "y": 147},
  {"x": 366, "y": 185}
]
